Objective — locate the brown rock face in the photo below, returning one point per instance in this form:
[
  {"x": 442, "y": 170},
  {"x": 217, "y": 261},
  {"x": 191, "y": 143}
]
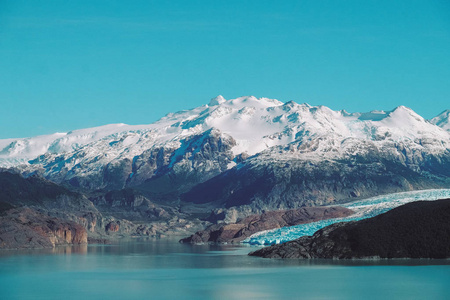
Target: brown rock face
[
  {"x": 27, "y": 228},
  {"x": 67, "y": 233},
  {"x": 220, "y": 233},
  {"x": 112, "y": 226}
]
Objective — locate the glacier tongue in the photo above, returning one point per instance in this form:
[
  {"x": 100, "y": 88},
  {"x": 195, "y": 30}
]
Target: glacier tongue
[{"x": 364, "y": 209}]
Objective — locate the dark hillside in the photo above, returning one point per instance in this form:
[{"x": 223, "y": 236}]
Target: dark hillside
[{"x": 18, "y": 191}]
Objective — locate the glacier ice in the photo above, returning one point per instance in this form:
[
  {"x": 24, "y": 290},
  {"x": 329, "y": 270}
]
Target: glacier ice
[{"x": 365, "y": 208}]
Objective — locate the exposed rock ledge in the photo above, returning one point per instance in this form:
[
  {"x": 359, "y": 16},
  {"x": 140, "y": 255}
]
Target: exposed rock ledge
[
  {"x": 237, "y": 232},
  {"x": 414, "y": 230},
  {"x": 26, "y": 228}
]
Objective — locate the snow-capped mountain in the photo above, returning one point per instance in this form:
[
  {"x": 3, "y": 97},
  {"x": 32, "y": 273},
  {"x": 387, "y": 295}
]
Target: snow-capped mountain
[
  {"x": 255, "y": 124},
  {"x": 189, "y": 147},
  {"x": 442, "y": 120},
  {"x": 16, "y": 151}
]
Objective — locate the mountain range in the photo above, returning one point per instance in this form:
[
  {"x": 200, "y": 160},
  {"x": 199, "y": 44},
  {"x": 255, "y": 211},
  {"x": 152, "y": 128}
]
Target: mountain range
[{"x": 233, "y": 158}]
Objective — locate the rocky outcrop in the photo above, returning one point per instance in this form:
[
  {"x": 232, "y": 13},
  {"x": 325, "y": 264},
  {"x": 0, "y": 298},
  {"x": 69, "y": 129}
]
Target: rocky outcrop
[
  {"x": 232, "y": 233},
  {"x": 415, "y": 230},
  {"x": 197, "y": 159},
  {"x": 27, "y": 228},
  {"x": 131, "y": 205},
  {"x": 39, "y": 193},
  {"x": 160, "y": 169},
  {"x": 52, "y": 200},
  {"x": 112, "y": 226}
]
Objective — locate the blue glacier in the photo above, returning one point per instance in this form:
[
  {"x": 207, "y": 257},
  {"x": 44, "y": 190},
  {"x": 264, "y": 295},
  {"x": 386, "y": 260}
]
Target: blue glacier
[{"x": 363, "y": 209}]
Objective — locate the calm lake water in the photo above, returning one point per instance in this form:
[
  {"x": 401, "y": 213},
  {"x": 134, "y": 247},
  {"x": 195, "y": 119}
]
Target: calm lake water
[{"x": 165, "y": 269}]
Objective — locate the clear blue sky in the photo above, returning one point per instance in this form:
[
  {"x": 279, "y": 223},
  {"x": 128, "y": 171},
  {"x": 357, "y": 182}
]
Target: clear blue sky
[{"x": 73, "y": 64}]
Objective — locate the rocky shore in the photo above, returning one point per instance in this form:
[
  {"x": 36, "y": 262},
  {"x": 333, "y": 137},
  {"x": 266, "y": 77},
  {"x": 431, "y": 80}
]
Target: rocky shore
[
  {"x": 37, "y": 213},
  {"x": 26, "y": 228}
]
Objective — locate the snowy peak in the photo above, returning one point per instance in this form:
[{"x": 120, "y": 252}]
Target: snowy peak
[
  {"x": 403, "y": 113},
  {"x": 28, "y": 148},
  {"x": 217, "y": 101},
  {"x": 246, "y": 101},
  {"x": 251, "y": 101},
  {"x": 207, "y": 140},
  {"x": 442, "y": 120},
  {"x": 407, "y": 122},
  {"x": 256, "y": 124}
]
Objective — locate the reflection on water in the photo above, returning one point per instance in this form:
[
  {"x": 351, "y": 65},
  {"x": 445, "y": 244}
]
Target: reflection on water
[
  {"x": 165, "y": 269},
  {"x": 75, "y": 249}
]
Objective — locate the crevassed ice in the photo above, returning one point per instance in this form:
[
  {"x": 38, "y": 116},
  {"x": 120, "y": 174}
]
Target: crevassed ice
[{"x": 365, "y": 208}]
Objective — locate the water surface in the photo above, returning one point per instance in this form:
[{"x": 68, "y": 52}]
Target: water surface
[{"x": 165, "y": 269}]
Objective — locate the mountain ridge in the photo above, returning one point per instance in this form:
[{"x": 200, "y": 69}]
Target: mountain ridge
[
  {"x": 31, "y": 147},
  {"x": 277, "y": 156}
]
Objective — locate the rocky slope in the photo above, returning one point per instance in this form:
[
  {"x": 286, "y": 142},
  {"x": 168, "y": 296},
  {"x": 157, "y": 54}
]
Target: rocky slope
[
  {"x": 26, "y": 228},
  {"x": 38, "y": 213},
  {"x": 131, "y": 205},
  {"x": 50, "y": 199},
  {"x": 270, "y": 182},
  {"x": 414, "y": 230},
  {"x": 237, "y": 232}
]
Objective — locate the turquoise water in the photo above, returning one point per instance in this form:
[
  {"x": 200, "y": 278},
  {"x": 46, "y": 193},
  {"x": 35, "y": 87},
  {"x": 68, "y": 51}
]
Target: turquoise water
[{"x": 165, "y": 269}]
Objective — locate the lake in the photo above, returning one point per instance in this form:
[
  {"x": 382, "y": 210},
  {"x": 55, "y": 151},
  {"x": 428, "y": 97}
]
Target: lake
[{"x": 165, "y": 269}]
